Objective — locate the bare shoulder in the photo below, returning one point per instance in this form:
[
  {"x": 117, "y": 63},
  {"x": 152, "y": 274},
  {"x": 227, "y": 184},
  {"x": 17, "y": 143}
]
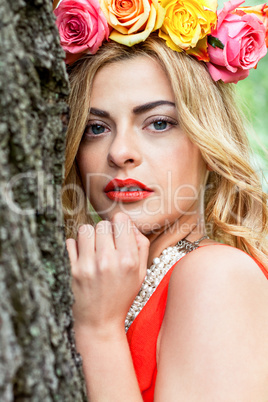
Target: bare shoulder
[
  {"x": 219, "y": 254},
  {"x": 219, "y": 274},
  {"x": 222, "y": 274},
  {"x": 215, "y": 329},
  {"x": 218, "y": 261}
]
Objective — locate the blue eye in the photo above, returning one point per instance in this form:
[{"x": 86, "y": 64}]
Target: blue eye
[
  {"x": 160, "y": 125},
  {"x": 97, "y": 129}
]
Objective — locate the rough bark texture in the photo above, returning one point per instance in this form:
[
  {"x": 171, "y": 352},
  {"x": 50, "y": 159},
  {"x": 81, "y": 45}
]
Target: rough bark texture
[{"x": 37, "y": 357}]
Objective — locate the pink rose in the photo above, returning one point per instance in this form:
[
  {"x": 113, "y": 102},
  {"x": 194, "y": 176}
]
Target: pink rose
[
  {"x": 262, "y": 13},
  {"x": 243, "y": 37},
  {"x": 82, "y": 27}
]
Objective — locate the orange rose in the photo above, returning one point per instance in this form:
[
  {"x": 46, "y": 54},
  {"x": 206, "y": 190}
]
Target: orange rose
[
  {"x": 132, "y": 20},
  {"x": 262, "y": 13}
]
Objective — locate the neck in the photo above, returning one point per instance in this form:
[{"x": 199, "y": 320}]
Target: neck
[{"x": 192, "y": 228}]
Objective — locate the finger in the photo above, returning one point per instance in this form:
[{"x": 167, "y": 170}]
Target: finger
[
  {"x": 104, "y": 237},
  {"x": 143, "y": 244},
  {"x": 124, "y": 236},
  {"x": 139, "y": 236},
  {"x": 71, "y": 246},
  {"x": 86, "y": 240}
]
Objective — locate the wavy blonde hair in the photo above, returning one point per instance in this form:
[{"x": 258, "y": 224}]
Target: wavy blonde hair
[{"x": 235, "y": 206}]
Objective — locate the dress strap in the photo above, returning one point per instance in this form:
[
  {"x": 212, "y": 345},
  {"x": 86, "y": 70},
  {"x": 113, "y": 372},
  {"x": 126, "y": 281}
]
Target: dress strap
[
  {"x": 199, "y": 240},
  {"x": 187, "y": 246}
]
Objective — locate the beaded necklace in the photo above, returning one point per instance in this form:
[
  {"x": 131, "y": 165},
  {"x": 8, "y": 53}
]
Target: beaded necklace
[{"x": 160, "y": 266}]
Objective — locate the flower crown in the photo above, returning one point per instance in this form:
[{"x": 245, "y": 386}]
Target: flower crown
[{"x": 230, "y": 41}]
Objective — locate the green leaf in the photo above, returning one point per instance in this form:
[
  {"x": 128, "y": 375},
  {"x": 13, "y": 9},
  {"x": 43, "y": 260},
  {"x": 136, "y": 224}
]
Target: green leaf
[{"x": 215, "y": 42}]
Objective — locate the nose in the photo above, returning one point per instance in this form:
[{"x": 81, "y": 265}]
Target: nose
[{"x": 124, "y": 150}]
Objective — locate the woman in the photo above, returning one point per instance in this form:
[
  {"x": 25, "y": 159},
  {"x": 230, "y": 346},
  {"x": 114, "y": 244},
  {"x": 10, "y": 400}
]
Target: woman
[{"x": 159, "y": 150}]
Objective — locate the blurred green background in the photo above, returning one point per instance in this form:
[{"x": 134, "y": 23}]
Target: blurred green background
[{"x": 253, "y": 99}]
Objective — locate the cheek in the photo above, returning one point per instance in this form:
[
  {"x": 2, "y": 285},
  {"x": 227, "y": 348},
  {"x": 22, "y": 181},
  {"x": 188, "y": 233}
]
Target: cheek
[
  {"x": 91, "y": 167},
  {"x": 85, "y": 169},
  {"x": 87, "y": 162},
  {"x": 187, "y": 169}
]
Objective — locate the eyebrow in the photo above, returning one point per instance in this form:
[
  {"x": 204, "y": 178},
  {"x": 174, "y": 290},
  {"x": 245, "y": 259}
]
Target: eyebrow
[
  {"x": 98, "y": 112},
  {"x": 137, "y": 110},
  {"x": 151, "y": 105}
]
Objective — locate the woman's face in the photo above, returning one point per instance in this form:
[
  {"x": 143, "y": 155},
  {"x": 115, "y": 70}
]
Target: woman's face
[{"x": 133, "y": 156}]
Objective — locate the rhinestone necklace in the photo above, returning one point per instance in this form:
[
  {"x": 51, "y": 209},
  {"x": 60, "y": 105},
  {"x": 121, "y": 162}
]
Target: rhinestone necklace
[{"x": 160, "y": 266}]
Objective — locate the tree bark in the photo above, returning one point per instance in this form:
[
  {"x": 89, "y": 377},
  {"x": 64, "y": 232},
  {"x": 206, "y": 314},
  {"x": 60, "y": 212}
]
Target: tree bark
[{"x": 38, "y": 361}]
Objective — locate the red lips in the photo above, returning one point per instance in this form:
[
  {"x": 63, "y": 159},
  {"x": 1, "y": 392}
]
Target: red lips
[{"x": 113, "y": 192}]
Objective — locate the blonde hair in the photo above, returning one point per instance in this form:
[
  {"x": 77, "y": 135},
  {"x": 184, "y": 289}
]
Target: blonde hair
[{"x": 235, "y": 208}]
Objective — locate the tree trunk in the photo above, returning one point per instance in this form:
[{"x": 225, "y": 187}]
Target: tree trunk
[{"x": 38, "y": 361}]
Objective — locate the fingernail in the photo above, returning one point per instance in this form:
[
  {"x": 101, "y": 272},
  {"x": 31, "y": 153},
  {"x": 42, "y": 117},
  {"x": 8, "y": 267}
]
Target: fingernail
[{"x": 82, "y": 229}]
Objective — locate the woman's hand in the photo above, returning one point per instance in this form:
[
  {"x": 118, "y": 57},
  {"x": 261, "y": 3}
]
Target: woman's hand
[{"x": 108, "y": 266}]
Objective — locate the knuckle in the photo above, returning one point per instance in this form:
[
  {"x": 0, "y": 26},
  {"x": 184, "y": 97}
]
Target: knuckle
[
  {"x": 87, "y": 275},
  {"x": 129, "y": 261},
  {"x": 119, "y": 216},
  {"x": 84, "y": 271},
  {"x": 86, "y": 229},
  {"x": 104, "y": 263},
  {"x": 103, "y": 223},
  {"x": 75, "y": 273},
  {"x": 145, "y": 242},
  {"x": 103, "y": 227}
]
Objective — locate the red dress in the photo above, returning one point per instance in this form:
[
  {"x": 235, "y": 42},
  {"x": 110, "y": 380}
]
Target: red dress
[{"x": 143, "y": 333}]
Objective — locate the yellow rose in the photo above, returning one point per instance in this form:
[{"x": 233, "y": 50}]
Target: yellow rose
[
  {"x": 187, "y": 24},
  {"x": 132, "y": 20}
]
